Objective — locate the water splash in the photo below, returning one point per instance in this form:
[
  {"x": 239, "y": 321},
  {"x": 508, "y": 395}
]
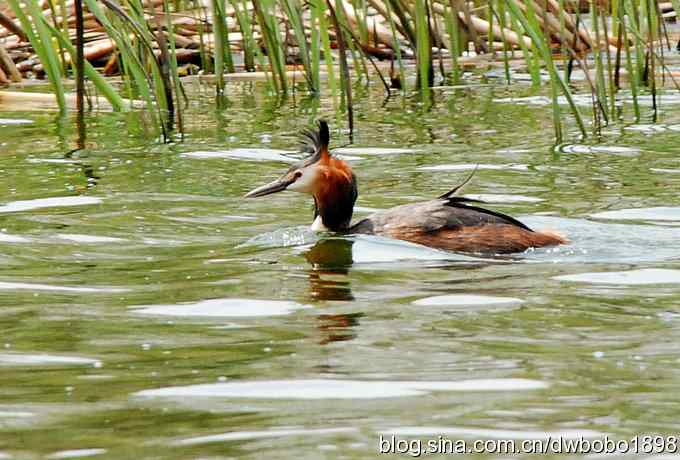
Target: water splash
[{"x": 284, "y": 237}]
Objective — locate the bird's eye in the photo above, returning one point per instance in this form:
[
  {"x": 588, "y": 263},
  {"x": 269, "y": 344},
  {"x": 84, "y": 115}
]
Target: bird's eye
[{"x": 298, "y": 174}]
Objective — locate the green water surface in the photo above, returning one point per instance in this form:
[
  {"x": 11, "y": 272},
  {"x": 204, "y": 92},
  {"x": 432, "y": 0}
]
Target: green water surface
[{"x": 134, "y": 271}]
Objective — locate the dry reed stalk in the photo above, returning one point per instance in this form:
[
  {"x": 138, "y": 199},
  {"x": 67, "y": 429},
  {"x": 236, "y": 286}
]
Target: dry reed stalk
[
  {"x": 12, "y": 28},
  {"x": 7, "y": 65},
  {"x": 483, "y": 27},
  {"x": 3, "y": 78},
  {"x": 381, "y": 8},
  {"x": 377, "y": 32},
  {"x": 462, "y": 6},
  {"x": 21, "y": 99}
]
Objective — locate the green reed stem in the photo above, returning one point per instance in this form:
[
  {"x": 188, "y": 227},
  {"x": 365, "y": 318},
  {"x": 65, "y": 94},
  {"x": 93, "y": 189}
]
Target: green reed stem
[
  {"x": 95, "y": 77},
  {"x": 397, "y": 46},
  {"x": 423, "y": 49}
]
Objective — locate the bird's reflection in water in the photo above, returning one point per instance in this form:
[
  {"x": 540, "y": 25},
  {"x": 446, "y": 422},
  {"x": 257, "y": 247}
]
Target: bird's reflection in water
[
  {"x": 331, "y": 260},
  {"x": 337, "y": 328}
]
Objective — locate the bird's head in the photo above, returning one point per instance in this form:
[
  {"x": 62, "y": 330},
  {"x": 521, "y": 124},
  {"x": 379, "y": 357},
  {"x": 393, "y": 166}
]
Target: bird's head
[{"x": 330, "y": 180}]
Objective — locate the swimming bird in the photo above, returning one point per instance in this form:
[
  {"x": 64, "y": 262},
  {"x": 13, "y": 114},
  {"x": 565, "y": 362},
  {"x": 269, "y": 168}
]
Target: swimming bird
[{"x": 447, "y": 222}]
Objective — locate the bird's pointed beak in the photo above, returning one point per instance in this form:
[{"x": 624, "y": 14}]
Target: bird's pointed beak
[{"x": 278, "y": 185}]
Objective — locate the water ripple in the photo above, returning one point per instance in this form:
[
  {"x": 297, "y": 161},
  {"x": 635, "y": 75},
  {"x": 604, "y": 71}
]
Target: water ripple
[
  {"x": 373, "y": 150},
  {"x": 223, "y": 308},
  {"x": 611, "y": 149},
  {"x": 250, "y": 435},
  {"x": 632, "y": 277},
  {"x": 605, "y": 242},
  {"x": 661, "y": 213},
  {"x": 472, "y": 166},
  {"x": 5, "y": 238},
  {"x": 57, "y": 201},
  {"x": 500, "y": 198},
  {"x": 466, "y": 300},
  {"x": 8, "y": 285},
  {"x": 244, "y": 154},
  {"x": 486, "y": 433},
  {"x": 23, "y": 359},
  {"x": 337, "y": 389},
  {"x": 88, "y": 238},
  {"x": 15, "y": 121},
  {"x": 76, "y": 453}
]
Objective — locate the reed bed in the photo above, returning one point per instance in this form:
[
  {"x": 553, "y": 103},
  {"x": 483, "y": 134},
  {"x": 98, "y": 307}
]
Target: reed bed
[{"x": 617, "y": 45}]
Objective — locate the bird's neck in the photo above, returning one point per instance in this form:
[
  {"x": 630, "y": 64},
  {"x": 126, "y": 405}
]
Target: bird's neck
[
  {"x": 334, "y": 206},
  {"x": 318, "y": 225},
  {"x": 333, "y": 213}
]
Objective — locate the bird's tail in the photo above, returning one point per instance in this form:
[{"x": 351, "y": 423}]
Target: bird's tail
[{"x": 552, "y": 237}]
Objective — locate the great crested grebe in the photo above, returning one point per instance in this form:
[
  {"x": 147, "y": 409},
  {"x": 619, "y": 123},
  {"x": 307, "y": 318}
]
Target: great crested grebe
[{"x": 448, "y": 222}]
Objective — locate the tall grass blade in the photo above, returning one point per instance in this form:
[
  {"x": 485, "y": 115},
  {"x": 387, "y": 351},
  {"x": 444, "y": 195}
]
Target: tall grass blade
[
  {"x": 529, "y": 59},
  {"x": 80, "y": 73},
  {"x": 452, "y": 27},
  {"x": 530, "y": 27},
  {"x": 499, "y": 13},
  {"x": 54, "y": 16},
  {"x": 633, "y": 22},
  {"x": 132, "y": 64},
  {"x": 600, "y": 85},
  {"x": 611, "y": 95},
  {"x": 99, "y": 82},
  {"x": 344, "y": 68},
  {"x": 320, "y": 7},
  {"x": 404, "y": 22},
  {"x": 294, "y": 14},
  {"x": 267, "y": 21},
  {"x": 249, "y": 45},
  {"x": 397, "y": 48},
  {"x": 219, "y": 32},
  {"x": 164, "y": 79},
  {"x": 633, "y": 79},
  {"x": 423, "y": 49},
  {"x": 40, "y": 40},
  {"x": 174, "y": 73},
  {"x": 652, "y": 28},
  {"x": 315, "y": 47}
]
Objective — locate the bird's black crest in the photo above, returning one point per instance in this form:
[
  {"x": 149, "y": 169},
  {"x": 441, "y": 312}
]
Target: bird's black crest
[
  {"x": 324, "y": 134},
  {"x": 315, "y": 141}
]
